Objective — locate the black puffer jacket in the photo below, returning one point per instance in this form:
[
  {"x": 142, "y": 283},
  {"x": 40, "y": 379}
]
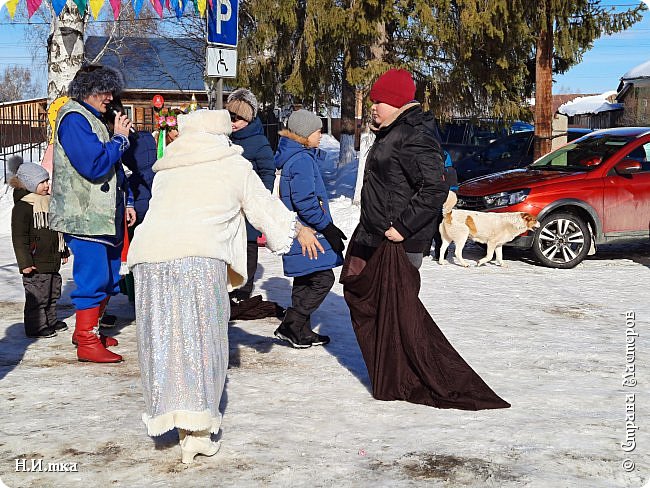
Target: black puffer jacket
[
  {"x": 32, "y": 246},
  {"x": 403, "y": 183}
]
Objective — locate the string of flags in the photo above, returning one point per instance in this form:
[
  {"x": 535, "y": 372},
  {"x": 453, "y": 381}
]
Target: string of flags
[{"x": 95, "y": 6}]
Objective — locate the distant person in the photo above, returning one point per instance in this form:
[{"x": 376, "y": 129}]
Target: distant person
[
  {"x": 186, "y": 255},
  {"x": 302, "y": 190},
  {"x": 39, "y": 250},
  {"x": 88, "y": 201},
  {"x": 248, "y": 132}
]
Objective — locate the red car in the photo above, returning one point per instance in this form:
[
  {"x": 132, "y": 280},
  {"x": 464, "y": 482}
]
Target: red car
[{"x": 595, "y": 190}]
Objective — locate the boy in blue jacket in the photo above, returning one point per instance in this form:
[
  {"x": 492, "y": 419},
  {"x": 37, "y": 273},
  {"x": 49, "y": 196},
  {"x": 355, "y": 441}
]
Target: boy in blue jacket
[{"x": 303, "y": 191}]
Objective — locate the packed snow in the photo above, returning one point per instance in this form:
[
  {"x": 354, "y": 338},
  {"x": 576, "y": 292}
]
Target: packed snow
[
  {"x": 592, "y": 104},
  {"x": 553, "y": 343}
]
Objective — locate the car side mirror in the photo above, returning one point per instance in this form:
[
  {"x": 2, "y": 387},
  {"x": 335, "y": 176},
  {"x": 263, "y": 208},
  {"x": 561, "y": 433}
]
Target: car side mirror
[{"x": 628, "y": 166}]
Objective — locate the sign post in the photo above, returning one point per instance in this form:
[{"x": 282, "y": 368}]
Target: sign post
[{"x": 223, "y": 33}]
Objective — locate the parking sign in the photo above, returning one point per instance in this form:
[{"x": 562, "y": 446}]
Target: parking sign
[{"x": 223, "y": 19}]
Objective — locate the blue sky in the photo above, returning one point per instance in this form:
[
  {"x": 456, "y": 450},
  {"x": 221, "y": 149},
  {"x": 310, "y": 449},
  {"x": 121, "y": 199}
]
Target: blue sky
[{"x": 600, "y": 70}]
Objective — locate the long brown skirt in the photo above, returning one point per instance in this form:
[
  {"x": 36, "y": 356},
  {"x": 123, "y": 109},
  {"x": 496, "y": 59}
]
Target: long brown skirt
[{"x": 407, "y": 356}]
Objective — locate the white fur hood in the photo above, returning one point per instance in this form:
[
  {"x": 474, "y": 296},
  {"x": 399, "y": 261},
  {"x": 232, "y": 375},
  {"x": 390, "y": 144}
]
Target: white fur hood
[{"x": 202, "y": 138}]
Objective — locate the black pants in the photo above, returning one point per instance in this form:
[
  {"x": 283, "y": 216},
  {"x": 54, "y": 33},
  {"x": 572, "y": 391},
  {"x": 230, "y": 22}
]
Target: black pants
[
  {"x": 251, "y": 268},
  {"x": 309, "y": 291},
  {"x": 42, "y": 290}
]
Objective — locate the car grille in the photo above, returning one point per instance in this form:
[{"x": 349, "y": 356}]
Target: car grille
[{"x": 471, "y": 203}]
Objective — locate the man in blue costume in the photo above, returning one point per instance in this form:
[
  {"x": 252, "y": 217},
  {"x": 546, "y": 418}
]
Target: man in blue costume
[{"x": 89, "y": 201}]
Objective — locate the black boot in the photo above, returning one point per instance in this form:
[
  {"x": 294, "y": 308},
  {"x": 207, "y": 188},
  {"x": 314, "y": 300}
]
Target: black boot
[
  {"x": 291, "y": 330},
  {"x": 315, "y": 338}
]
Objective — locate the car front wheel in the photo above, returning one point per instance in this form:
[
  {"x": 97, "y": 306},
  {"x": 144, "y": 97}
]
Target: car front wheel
[{"x": 562, "y": 240}]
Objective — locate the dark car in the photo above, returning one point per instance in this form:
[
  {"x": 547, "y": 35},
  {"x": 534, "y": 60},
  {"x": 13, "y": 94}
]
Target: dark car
[
  {"x": 594, "y": 190},
  {"x": 510, "y": 152},
  {"x": 462, "y": 137}
]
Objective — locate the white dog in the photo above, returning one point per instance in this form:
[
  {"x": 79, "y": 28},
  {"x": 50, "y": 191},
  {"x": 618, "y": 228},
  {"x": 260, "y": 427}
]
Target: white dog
[{"x": 493, "y": 229}]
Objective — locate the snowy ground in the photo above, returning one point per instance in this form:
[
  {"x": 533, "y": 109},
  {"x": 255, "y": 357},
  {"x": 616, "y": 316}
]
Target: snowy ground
[{"x": 551, "y": 342}]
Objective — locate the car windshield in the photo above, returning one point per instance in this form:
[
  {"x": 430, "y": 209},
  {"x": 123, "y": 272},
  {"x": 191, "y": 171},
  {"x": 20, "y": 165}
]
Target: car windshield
[{"x": 584, "y": 155}]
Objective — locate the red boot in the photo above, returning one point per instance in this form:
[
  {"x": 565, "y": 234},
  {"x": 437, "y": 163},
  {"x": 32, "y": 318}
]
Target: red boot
[
  {"x": 90, "y": 347},
  {"x": 106, "y": 320},
  {"x": 106, "y": 341}
]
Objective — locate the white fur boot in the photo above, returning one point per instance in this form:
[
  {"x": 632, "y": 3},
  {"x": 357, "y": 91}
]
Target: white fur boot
[{"x": 198, "y": 442}]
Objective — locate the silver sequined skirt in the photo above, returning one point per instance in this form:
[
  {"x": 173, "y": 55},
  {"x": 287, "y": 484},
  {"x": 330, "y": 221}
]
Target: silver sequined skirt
[{"x": 182, "y": 312}]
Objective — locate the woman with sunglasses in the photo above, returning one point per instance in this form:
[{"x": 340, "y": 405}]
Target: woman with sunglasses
[{"x": 247, "y": 132}]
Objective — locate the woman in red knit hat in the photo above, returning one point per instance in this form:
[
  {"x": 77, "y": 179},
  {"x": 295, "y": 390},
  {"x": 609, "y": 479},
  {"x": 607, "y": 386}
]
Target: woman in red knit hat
[{"x": 407, "y": 356}]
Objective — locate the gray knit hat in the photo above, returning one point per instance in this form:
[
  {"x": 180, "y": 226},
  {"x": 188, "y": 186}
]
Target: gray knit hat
[
  {"x": 243, "y": 103},
  {"x": 304, "y": 123},
  {"x": 31, "y": 175},
  {"x": 93, "y": 79}
]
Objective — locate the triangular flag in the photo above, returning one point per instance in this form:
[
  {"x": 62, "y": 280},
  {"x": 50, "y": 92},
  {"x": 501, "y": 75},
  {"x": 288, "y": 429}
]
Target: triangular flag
[
  {"x": 81, "y": 6},
  {"x": 177, "y": 6},
  {"x": 115, "y": 5},
  {"x": 58, "y": 6},
  {"x": 157, "y": 6},
  {"x": 137, "y": 6},
  {"x": 201, "y": 7},
  {"x": 167, "y": 4},
  {"x": 70, "y": 37},
  {"x": 32, "y": 6},
  {"x": 96, "y": 7},
  {"x": 11, "y": 7}
]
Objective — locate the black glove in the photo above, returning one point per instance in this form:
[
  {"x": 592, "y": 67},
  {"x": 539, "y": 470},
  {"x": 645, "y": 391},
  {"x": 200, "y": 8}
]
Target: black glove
[{"x": 335, "y": 237}]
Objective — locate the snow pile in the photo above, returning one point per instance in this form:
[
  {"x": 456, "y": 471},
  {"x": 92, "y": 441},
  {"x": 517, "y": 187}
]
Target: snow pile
[{"x": 592, "y": 104}]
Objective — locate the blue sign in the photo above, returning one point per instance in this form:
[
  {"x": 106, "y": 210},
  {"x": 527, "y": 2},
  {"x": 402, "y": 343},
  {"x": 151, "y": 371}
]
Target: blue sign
[{"x": 223, "y": 18}]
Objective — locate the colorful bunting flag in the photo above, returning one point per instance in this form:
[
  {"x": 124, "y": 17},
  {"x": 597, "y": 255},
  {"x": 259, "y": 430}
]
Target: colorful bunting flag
[
  {"x": 82, "y": 5},
  {"x": 96, "y": 7},
  {"x": 11, "y": 7},
  {"x": 32, "y": 6},
  {"x": 137, "y": 6},
  {"x": 157, "y": 6},
  {"x": 178, "y": 8},
  {"x": 58, "y": 5},
  {"x": 115, "y": 5}
]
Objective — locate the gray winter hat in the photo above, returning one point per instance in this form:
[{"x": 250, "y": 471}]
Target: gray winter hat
[
  {"x": 93, "y": 79},
  {"x": 304, "y": 123},
  {"x": 31, "y": 175},
  {"x": 243, "y": 103},
  {"x": 13, "y": 163}
]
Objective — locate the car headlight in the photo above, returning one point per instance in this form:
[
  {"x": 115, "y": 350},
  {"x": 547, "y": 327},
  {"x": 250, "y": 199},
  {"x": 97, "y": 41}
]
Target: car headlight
[{"x": 506, "y": 198}]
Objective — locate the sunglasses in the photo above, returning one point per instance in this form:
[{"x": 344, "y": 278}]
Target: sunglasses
[{"x": 235, "y": 117}]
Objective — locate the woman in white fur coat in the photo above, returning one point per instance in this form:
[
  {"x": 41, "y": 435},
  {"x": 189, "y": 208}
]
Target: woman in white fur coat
[{"x": 189, "y": 251}]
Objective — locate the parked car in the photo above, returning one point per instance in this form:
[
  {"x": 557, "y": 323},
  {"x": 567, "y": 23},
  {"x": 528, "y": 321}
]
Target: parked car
[
  {"x": 510, "y": 152},
  {"x": 595, "y": 190},
  {"x": 461, "y": 137}
]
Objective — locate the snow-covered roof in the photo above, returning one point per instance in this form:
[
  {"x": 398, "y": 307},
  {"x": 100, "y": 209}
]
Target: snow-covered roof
[
  {"x": 27, "y": 100},
  {"x": 592, "y": 104},
  {"x": 640, "y": 71}
]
